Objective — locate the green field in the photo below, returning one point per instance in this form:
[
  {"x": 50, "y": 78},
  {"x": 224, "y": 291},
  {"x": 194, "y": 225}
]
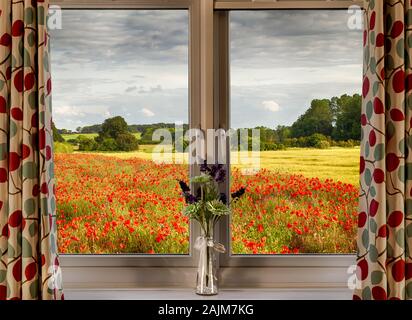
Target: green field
[
  {"x": 89, "y": 135},
  {"x": 340, "y": 164}
]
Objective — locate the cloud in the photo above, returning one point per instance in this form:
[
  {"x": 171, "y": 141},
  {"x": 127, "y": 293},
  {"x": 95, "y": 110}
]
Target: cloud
[
  {"x": 130, "y": 89},
  {"x": 270, "y": 105},
  {"x": 66, "y": 110},
  {"x": 155, "y": 89},
  {"x": 147, "y": 112}
]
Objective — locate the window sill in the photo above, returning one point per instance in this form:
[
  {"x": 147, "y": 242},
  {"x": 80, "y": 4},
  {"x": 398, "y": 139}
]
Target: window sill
[{"x": 225, "y": 294}]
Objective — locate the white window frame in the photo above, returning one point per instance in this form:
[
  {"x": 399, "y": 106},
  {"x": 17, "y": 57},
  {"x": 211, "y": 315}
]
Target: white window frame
[{"x": 209, "y": 100}]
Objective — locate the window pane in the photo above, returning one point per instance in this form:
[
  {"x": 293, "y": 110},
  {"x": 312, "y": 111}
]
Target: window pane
[
  {"x": 296, "y": 75},
  {"x": 118, "y": 76}
]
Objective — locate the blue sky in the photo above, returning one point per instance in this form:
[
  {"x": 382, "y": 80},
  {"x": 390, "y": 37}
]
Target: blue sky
[{"x": 135, "y": 64}]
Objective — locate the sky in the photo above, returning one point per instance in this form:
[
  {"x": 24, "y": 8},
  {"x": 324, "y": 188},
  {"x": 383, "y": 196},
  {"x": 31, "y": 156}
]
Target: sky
[{"x": 135, "y": 64}]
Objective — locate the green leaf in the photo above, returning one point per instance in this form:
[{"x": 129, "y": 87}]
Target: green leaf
[
  {"x": 31, "y": 40},
  {"x": 29, "y": 206},
  {"x": 373, "y": 253},
  {"x": 369, "y": 110},
  {"x": 32, "y": 99},
  {"x": 30, "y": 170},
  {"x": 33, "y": 229},
  {"x": 390, "y": 63},
  {"x": 13, "y": 129},
  {"x": 368, "y": 177},
  {"x": 365, "y": 238},
  {"x": 27, "y": 251},
  {"x": 409, "y": 290},
  {"x": 34, "y": 289},
  {"x": 3, "y": 275},
  {"x": 400, "y": 48},
  {"x": 372, "y": 191},
  {"x": 372, "y": 64},
  {"x": 3, "y": 151},
  {"x": 376, "y": 277},
  {"x": 408, "y": 230},
  {"x": 408, "y": 208},
  {"x": 366, "y": 293},
  {"x": 372, "y": 226},
  {"x": 40, "y": 15},
  {"x": 375, "y": 88},
  {"x": 400, "y": 237},
  {"x": 372, "y": 38},
  {"x": 29, "y": 15},
  {"x": 379, "y": 152},
  {"x": 401, "y": 173}
]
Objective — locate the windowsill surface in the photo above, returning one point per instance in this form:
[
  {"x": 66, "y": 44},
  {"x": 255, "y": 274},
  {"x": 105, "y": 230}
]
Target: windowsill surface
[{"x": 225, "y": 294}]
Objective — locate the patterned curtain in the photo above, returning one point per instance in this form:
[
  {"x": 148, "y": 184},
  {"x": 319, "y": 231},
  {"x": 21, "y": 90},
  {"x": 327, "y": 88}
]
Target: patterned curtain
[
  {"x": 29, "y": 267},
  {"x": 385, "y": 219}
]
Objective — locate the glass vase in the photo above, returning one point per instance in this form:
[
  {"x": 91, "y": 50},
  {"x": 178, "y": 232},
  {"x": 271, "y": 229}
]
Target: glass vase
[{"x": 206, "y": 283}]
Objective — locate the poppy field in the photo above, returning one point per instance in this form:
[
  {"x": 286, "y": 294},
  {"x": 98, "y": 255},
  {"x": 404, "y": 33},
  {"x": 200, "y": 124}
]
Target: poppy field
[{"x": 108, "y": 204}]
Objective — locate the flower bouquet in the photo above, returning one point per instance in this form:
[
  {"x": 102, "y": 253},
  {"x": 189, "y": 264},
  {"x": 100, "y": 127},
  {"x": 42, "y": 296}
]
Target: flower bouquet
[{"x": 207, "y": 205}]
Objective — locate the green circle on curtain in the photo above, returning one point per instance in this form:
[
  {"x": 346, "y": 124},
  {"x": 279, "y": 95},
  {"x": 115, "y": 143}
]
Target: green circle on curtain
[
  {"x": 373, "y": 227},
  {"x": 365, "y": 238},
  {"x": 400, "y": 48},
  {"x": 368, "y": 177},
  {"x": 366, "y": 293},
  {"x": 373, "y": 252},
  {"x": 376, "y": 277},
  {"x": 29, "y": 206},
  {"x": 29, "y": 16},
  {"x": 379, "y": 152}
]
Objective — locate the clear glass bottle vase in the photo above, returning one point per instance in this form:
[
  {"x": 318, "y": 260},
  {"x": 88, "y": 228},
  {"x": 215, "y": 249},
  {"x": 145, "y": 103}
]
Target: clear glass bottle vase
[{"x": 206, "y": 283}]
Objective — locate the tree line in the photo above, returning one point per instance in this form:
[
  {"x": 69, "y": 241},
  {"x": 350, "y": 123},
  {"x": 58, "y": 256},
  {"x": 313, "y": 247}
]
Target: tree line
[{"x": 327, "y": 122}]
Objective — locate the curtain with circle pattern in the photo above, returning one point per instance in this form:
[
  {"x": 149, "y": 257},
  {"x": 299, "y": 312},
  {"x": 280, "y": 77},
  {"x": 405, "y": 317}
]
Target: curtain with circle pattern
[
  {"x": 29, "y": 267},
  {"x": 385, "y": 217}
]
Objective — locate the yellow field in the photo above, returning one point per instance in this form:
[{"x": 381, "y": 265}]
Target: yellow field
[{"x": 340, "y": 164}]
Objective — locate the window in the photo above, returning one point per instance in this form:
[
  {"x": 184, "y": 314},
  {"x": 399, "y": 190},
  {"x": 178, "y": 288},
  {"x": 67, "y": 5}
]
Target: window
[
  {"x": 118, "y": 76},
  {"x": 294, "y": 80},
  {"x": 201, "y": 81}
]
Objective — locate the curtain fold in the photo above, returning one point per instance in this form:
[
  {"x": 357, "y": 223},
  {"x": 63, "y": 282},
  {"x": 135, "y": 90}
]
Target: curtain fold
[
  {"x": 385, "y": 209},
  {"x": 29, "y": 266}
]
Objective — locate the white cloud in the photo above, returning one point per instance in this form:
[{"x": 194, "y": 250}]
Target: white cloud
[
  {"x": 270, "y": 105},
  {"x": 147, "y": 112},
  {"x": 66, "y": 110}
]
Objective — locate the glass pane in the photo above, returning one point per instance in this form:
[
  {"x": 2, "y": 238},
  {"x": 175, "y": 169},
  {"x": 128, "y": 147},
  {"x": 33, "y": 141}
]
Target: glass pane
[
  {"x": 296, "y": 76},
  {"x": 117, "y": 77}
]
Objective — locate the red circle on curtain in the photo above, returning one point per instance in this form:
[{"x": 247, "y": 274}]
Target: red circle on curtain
[
  {"x": 379, "y": 293},
  {"x": 398, "y": 270}
]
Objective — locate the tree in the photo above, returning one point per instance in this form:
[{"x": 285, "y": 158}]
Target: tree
[
  {"x": 348, "y": 118},
  {"x": 57, "y": 137},
  {"x": 126, "y": 142},
  {"x": 115, "y": 136},
  {"x": 112, "y": 127},
  {"x": 86, "y": 144},
  {"x": 317, "y": 119}
]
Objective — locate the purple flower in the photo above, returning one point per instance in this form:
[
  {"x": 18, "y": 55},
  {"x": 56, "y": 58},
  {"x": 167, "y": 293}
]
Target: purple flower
[{"x": 216, "y": 171}]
